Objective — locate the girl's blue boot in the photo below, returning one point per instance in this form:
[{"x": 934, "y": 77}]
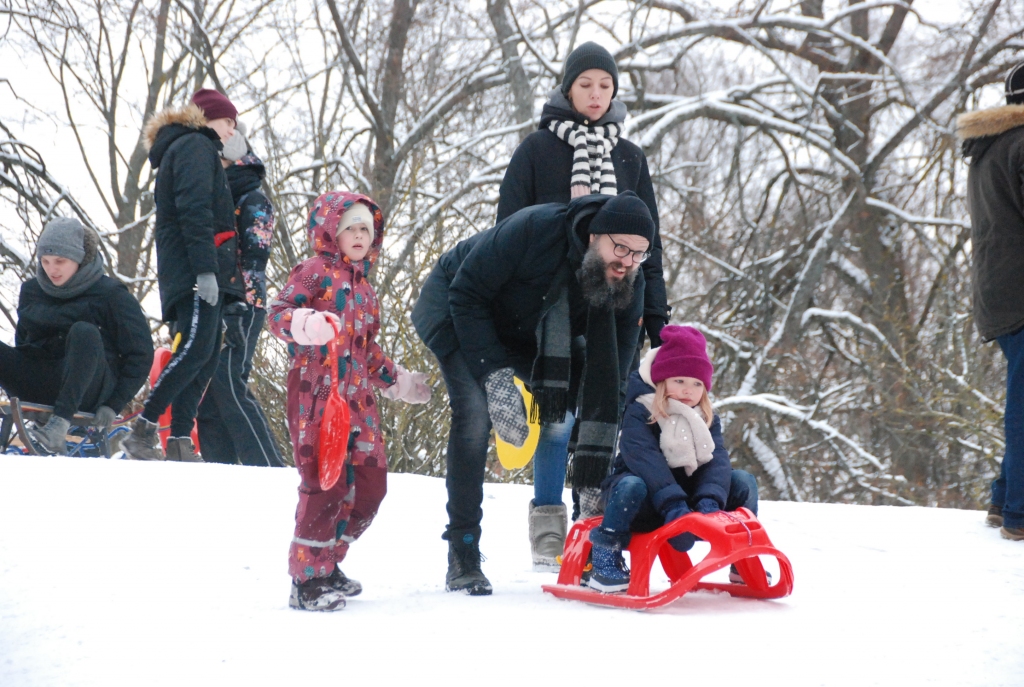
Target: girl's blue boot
[{"x": 610, "y": 573}]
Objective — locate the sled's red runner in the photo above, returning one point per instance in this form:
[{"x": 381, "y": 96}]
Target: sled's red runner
[{"x": 736, "y": 538}]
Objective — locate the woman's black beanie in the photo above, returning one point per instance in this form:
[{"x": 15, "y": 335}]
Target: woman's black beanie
[{"x": 590, "y": 55}]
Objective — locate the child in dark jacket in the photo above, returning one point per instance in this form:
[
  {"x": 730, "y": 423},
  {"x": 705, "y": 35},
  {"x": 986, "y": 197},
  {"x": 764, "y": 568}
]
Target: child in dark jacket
[{"x": 672, "y": 459}]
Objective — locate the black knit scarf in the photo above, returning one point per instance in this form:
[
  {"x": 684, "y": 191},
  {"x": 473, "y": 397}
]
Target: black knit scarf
[
  {"x": 598, "y": 413},
  {"x": 592, "y": 146}
]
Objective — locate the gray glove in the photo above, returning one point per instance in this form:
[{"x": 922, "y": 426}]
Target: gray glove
[
  {"x": 506, "y": 408},
  {"x": 104, "y": 417},
  {"x": 206, "y": 285}
]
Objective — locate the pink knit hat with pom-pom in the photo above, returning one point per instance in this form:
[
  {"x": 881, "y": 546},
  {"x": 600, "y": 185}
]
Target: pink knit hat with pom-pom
[{"x": 683, "y": 353}]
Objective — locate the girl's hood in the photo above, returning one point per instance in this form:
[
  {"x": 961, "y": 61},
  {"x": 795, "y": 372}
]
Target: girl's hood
[{"x": 323, "y": 224}]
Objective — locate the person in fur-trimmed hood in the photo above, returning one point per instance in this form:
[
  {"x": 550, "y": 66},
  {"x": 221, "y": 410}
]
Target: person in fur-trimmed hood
[
  {"x": 993, "y": 143},
  {"x": 329, "y": 296},
  {"x": 672, "y": 458},
  {"x": 197, "y": 263}
]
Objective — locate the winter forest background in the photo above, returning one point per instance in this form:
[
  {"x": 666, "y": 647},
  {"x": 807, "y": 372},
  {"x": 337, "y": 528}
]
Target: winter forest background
[{"x": 810, "y": 188}]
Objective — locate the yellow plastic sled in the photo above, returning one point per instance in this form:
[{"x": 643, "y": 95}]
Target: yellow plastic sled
[{"x": 511, "y": 457}]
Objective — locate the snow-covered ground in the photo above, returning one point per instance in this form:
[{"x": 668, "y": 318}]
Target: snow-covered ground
[{"x": 124, "y": 573}]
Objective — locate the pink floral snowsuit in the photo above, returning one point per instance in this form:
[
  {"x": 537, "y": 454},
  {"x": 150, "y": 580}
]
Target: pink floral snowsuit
[{"x": 326, "y": 522}]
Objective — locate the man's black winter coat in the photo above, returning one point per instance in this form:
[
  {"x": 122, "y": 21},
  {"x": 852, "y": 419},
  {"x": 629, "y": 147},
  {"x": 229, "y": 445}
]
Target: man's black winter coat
[
  {"x": 193, "y": 205},
  {"x": 487, "y": 295},
  {"x": 540, "y": 170},
  {"x": 44, "y": 321}
]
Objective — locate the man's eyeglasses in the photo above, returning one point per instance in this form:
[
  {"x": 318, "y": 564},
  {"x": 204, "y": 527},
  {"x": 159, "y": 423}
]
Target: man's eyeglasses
[{"x": 622, "y": 251}]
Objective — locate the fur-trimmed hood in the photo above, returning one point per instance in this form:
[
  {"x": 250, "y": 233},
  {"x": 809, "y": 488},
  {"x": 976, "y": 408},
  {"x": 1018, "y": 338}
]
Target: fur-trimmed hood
[
  {"x": 167, "y": 126},
  {"x": 977, "y": 130}
]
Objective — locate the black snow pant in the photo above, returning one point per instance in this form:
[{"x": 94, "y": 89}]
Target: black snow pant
[
  {"x": 232, "y": 426},
  {"x": 80, "y": 381},
  {"x": 183, "y": 381}
]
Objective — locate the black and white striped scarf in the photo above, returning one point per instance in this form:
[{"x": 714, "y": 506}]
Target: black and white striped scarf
[{"x": 592, "y": 154}]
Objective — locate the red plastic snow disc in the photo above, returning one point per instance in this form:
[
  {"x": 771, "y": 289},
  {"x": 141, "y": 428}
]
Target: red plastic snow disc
[{"x": 334, "y": 428}]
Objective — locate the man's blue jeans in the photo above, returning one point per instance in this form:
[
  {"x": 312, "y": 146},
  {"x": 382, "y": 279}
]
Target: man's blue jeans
[{"x": 1008, "y": 488}]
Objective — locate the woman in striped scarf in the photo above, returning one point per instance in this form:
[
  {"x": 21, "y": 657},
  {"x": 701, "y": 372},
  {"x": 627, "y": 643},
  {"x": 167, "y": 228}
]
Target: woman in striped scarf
[{"x": 578, "y": 150}]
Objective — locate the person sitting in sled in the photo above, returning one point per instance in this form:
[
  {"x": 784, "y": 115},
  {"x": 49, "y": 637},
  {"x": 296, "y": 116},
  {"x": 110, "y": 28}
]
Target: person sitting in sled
[
  {"x": 672, "y": 459},
  {"x": 329, "y": 295}
]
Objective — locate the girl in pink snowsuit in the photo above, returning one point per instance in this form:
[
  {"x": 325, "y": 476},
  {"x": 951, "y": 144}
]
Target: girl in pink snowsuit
[{"x": 325, "y": 293}]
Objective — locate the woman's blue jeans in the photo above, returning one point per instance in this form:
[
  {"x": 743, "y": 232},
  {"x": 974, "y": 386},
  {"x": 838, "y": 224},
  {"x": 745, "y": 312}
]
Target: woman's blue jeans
[{"x": 549, "y": 462}]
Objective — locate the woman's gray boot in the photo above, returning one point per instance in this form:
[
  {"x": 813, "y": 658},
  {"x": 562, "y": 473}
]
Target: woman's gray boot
[
  {"x": 547, "y": 536},
  {"x": 51, "y": 437},
  {"x": 142, "y": 443}
]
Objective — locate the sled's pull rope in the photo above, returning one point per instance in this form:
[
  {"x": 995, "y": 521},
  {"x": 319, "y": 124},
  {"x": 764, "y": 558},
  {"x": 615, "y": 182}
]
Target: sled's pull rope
[{"x": 750, "y": 536}]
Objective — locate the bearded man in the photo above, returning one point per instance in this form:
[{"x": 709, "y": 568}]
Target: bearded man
[{"x": 553, "y": 295}]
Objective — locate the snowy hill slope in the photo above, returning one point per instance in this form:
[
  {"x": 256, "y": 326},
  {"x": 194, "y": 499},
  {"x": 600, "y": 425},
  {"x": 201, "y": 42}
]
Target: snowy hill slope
[{"x": 123, "y": 573}]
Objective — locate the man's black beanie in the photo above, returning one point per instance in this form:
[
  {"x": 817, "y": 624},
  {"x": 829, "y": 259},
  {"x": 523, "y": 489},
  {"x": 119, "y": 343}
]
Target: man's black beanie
[
  {"x": 590, "y": 55},
  {"x": 624, "y": 214},
  {"x": 1015, "y": 85}
]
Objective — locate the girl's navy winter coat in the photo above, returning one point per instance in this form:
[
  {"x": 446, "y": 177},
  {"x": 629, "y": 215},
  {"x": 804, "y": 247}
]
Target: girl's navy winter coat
[
  {"x": 44, "y": 322},
  {"x": 193, "y": 205},
  {"x": 640, "y": 454},
  {"x": 540, "y": 170}
]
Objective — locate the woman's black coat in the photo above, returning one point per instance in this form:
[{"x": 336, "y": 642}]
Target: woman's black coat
[{"x": 540, "y": 170}]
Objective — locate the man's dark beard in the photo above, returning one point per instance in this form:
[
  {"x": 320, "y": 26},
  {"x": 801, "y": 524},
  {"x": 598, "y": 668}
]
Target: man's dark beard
[{"x": 597, "y": 291}]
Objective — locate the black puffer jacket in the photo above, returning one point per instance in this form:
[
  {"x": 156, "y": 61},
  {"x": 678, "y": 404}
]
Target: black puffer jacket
[
  {"x": 254, "y": 219},
  {"x": 539, "y": 173},
  {"x": 193, "y": 205},
  {"x": 487, "y": 295},
  {"x": 44, "y": 321},
  {"x": 994, "y": 142}
]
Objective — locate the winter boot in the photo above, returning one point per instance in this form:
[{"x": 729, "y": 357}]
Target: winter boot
[
  {"x": 51, "y": 437},
  {"x": 181, "y": 449},
  {"x": 610, "y": 573},
  {"x": 736, "y": 578},
  {"x": 142, "y": 443},
  {"x": 1012, "y": 533},
  {"x": 464, "y": 573},
  {"x": 343, "y": 584},
  {"x": 547, "y": 536},
  {"x": 316, "y": 594},
  {"x": 995, "y": 516}
]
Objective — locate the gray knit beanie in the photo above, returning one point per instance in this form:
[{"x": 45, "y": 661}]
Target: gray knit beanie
[
  {"x": 590, "y": 55},
  {"x": 63, "y": 236}
]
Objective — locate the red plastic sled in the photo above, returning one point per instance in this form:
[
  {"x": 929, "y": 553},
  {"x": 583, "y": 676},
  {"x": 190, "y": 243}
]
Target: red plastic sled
[
  {"x": 334, "y": 428},
  {"x": 736, "y": 538}
]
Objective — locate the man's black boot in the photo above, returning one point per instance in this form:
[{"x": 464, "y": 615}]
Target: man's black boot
[{"x": 464, "y": 573}]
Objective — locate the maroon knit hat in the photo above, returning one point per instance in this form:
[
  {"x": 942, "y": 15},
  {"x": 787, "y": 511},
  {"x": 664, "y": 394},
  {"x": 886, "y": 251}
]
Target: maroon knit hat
[
  {"x": 683, "y": 353},
  {"x": 214, "y": 104}
]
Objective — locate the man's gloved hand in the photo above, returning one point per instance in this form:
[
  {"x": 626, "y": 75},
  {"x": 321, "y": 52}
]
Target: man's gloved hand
[
  {"x": 206, "y": 285},
  {"x": 708, "y": 506},
  {"x": 686, "y": 540},
  {"x": 506, "y": 408},
  {"x": 313, "y": 327},
  {"x": 653, "y": 324},
  {"x": 410, "y": 387},
  {"x": 234, "y": 335},
  {"x": 104, "y": 417}
]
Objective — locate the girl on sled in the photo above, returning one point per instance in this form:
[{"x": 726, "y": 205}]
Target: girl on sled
[{"x": 672, "y": 459}]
